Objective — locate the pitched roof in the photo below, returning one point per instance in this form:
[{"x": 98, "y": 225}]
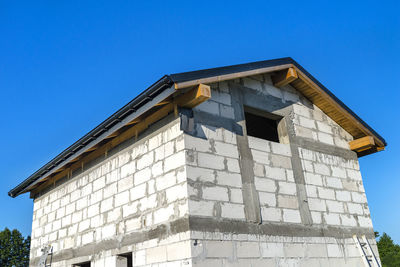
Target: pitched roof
[{"x": 169, "y": 84}]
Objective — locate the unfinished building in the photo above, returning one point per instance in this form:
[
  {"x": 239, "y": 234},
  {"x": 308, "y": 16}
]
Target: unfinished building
[{"x": 245, "y": 165}]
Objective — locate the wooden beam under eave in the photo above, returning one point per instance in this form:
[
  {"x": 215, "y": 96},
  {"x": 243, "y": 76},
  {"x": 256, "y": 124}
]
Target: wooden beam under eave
[
  {"x": 362, "y": 144},
  {"x": 190, "y": 99},
  {"x": 92, "y": 149},
  {"x": 112, "y": 135},
  {"x": 284, "y": 77},
  {"x": 137, "y": 120},
  {"x": 194, "y": 97},
  {"x": 162, "y": 103}
]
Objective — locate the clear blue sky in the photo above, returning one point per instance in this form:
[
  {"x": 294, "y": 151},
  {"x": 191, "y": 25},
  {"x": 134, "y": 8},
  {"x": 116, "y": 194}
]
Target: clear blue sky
[{"x": 67, "y": 65}]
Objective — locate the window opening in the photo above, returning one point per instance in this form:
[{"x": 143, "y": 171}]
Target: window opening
[
  {"x": 82, "y": 264},
  {"x": 262, "y": 126},
  {"x": 125, "y": 259}
]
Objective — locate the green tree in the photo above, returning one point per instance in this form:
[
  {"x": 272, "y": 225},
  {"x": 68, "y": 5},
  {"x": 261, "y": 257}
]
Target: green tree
[
  {"x": 14, "y": 248},
  {"x": 389, "y": 252}
]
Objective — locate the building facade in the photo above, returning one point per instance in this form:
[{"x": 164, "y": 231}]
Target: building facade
[{"x": 236, "y": 166}]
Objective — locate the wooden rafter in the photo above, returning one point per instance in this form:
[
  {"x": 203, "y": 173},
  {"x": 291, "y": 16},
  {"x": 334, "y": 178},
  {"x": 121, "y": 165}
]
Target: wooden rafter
[
  {"x": 195, "y": 96},
  {"x": 137, "y": 120},
  {"x": 162, "y": 103},
  {"x": 284, "y": 77},
  {"x": 189, "y": 99},
  {"x": 362, "y": 144}
]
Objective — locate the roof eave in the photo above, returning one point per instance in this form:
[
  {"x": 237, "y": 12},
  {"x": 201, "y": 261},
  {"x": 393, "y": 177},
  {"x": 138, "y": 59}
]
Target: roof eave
[{"x": 156, "y": 92}]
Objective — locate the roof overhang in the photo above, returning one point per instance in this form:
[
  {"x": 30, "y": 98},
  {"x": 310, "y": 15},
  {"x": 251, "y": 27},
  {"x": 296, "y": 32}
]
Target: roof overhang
[
  {"x": 189, "y": 89},
  {"x": 302, "y": 81}
]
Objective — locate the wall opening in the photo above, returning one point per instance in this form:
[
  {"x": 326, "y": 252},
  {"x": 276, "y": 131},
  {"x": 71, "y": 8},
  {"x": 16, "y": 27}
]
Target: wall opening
[
  {"x": 82, "y": 264},
  {"x": 262, "y": 125},
  {"x": 125, "y": 260}
]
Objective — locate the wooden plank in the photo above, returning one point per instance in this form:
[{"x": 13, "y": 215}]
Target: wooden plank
[
  {"x": 134, "y": 121},
  {"x": 329, "y": 99},
  {"x": 230, "y": 76},
  {"x": 190, "y": 99},
  {"x": 162, "y": 103},
  {"x": 313, "y": 93},
  {"x": 91, "y": 149},
  {"x": 197, "y": 95},
  {"x": 284, "y": 77},
  {"x": 361, "y": 144},
  {"x": 320, "y": 100},
  {"x": 331, "y": 108},
  {"x": 112, "y": 135}
]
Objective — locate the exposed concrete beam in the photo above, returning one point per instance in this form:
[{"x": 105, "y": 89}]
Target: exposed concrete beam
[{"x": 251, "y": 198}]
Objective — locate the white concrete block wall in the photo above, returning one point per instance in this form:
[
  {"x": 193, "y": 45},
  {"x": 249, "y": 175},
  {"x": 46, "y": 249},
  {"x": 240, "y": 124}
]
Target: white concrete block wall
[
  {"x": 274, "y": 181},
  {"x": 312, "y": 123},
  {"x": 214, "y": 184},
  {"x": 174, "y": 251},
  {"x": 335, "y": 190},
  {"x": 136, "y": 189},
  {"x": 222, "y": 249},
  {"x": 171, "y": 175},
  {"x": 214, "y": 174}
]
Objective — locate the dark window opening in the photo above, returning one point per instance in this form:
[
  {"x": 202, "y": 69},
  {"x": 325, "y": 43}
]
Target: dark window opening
[
  {"x": 127, "y": 259},
  {"x": 83, "y": 264},
  {"x": 262, "y": 127}
]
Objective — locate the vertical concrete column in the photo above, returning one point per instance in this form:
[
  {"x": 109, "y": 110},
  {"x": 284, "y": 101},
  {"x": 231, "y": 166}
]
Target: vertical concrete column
[
  {"x": 250, "y": 195},
  {"x": 290, "y": 135}
]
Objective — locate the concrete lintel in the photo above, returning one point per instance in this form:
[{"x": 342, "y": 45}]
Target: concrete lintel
[
  {"x": 325, "y": 148},
  {"x": 275, "y": 229},
  {"x": 208, "y": 119},
  {"x": 255, "y": 99}
]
